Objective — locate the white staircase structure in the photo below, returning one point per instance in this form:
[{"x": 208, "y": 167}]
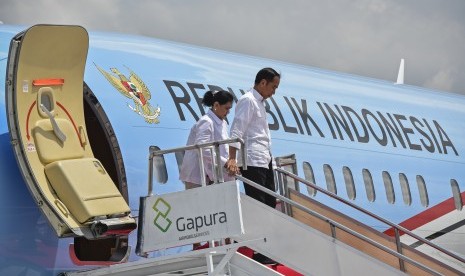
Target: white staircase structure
[
  {"x": 302, "y": 248},
  {"x": 189, "y": 263},
  {"x": 316, "y": 241},
  {"x": 271, "y": 233}
]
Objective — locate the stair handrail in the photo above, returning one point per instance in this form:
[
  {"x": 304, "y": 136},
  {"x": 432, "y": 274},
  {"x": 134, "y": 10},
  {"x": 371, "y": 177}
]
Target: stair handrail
[
  {"x": 155, "y": 151},
  {"x": 396, "y": 227},
  {"x": 334, "y": 224}
]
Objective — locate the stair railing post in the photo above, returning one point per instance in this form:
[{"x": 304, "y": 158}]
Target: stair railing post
[
  {"x": 218, "y": 168},
  {"x": 150, "y": 180},
  {"x": 202, "y": 166},
  {"x": 399, "y": 249}
]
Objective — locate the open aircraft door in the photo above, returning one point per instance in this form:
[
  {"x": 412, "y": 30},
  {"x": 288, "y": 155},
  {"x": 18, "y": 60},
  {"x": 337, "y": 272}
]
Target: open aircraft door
[{"x": 47, "y": 126}]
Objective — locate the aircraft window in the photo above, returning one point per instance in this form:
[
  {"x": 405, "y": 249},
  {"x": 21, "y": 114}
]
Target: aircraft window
[
  {"x": 329, "y": 176},
  {"x": 159, "y": 167},
  {"x": 404, "y": 186},
  {"x": 369, "y": 187},
  {"x": 422, "y": 190},
  {"x": 456, "y": 194},
  {"x": 179, "y": 155},
  {"x": 349, "y": 180},
  {"x": 309, "y": 176},
  {"x": 391, "y": 197}
]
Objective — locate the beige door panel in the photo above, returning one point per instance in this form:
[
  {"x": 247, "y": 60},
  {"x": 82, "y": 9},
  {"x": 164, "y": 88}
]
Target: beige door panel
[{"x": 49, "y": 131}]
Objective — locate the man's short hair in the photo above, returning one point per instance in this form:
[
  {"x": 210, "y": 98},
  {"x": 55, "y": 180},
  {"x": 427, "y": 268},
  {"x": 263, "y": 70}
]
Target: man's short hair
[{"x": 267, "y": 74}]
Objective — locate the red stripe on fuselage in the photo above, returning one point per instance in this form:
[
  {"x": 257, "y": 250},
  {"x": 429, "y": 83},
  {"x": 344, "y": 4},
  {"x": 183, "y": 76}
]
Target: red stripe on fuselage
[{"x": 428, "y": 215}]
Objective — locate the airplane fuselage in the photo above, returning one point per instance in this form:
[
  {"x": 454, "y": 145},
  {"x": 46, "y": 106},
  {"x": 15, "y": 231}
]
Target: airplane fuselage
[{"x": 408, "y": 140}]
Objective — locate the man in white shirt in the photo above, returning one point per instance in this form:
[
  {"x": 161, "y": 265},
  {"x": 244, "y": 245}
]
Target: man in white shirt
[{"x": 251, "y": 125}]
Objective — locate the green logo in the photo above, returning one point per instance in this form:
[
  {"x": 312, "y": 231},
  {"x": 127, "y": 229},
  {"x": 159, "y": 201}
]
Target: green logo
[{"x": 162, "y": 208}]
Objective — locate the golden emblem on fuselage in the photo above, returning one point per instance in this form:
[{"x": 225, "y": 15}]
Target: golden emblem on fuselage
[{"x": 133, "y": 88}]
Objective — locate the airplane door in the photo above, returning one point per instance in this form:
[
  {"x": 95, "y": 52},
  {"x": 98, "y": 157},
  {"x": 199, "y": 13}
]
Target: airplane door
[
  {"x": 35, "y": 64},
  {"x": 49, "y": 136}
]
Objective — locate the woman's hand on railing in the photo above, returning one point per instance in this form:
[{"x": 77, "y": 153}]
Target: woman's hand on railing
[{"x": 231, "y": 167}]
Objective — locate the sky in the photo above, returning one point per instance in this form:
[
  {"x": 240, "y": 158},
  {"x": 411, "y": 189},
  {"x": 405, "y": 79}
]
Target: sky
[{"x": 361, "y": 37}]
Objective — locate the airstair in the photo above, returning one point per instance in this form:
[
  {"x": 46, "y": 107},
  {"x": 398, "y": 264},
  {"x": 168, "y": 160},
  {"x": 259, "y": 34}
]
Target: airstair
[{"x": 308, "y": 238}]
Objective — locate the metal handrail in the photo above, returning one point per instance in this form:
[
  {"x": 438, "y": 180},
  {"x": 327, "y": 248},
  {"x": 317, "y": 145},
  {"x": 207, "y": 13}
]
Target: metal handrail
[
  {"x": 395, "y": 226},
  {"x": 153, "y": 151},
  {"x": 334, "y": 224}
]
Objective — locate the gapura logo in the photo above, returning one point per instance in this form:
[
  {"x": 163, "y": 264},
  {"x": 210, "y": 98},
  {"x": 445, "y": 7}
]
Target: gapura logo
[
  {"x": 162, "y": 208},
  {"x": 183, "y": 224}
]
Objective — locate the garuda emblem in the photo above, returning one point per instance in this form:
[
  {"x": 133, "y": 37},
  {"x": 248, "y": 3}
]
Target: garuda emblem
[{"x": 135, "y": 89}]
